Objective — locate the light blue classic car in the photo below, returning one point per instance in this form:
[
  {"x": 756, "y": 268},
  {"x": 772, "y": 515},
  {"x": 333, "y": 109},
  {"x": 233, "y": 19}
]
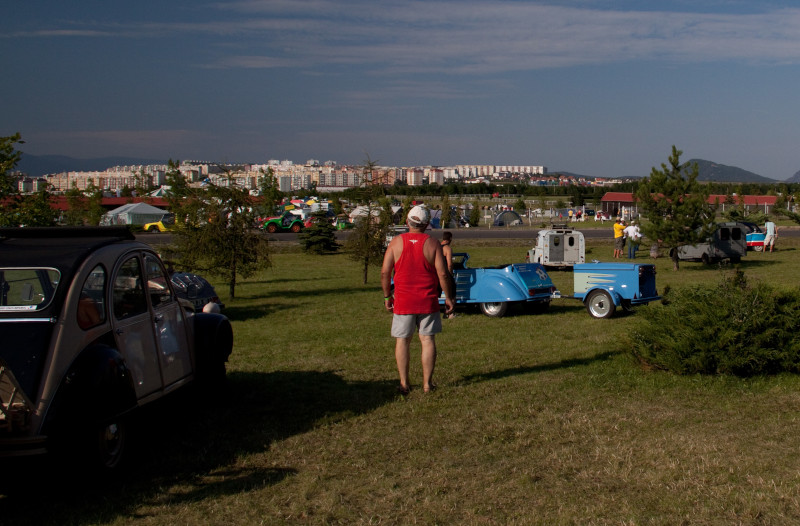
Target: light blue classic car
[
  {"x": 605, "y": 286},
  {"x": 495, "y": 288}
]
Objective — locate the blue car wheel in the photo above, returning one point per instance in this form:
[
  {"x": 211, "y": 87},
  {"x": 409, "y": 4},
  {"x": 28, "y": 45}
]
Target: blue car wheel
[{"x": 494, "y": 309}]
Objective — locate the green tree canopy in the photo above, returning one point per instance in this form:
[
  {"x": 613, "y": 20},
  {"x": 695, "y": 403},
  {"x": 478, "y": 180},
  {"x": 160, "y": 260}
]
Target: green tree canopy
[
  {"x": 675, "y": 205},
  {"x": 214, "y": 231},
  {"x": 17, "y": 209}
]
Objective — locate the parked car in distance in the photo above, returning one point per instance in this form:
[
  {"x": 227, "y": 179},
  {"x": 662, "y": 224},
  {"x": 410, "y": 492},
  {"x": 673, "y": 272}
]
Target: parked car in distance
[
  {"x": 728, "y": 242},
  {"x": 164, "y": 224},
  {"x": 286, "y": 222},
  {"x": 493, "y": 289},
  {"x": 92, "y": 329},
  {"x": 559, "y": 247},
  {"x": 195, "y": 289},
  {"x": 755, "y": 237}
]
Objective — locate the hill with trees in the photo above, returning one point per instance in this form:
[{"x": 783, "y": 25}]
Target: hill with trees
[{"x": 711, "y": 171}]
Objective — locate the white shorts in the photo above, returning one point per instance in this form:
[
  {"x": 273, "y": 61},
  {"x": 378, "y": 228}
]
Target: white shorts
[
  {"x": 404, "y": 325},
  {"x": 769, "y": 240}
]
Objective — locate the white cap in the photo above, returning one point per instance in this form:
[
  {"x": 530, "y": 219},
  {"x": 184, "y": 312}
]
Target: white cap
[{"x": 419, "y": 216}]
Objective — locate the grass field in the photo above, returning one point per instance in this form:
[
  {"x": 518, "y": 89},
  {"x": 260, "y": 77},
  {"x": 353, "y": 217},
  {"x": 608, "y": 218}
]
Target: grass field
[{"x": 538, "y": 419}]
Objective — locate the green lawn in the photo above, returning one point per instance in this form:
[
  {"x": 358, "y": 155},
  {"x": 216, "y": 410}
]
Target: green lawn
[{"x": 539, "y": 419}]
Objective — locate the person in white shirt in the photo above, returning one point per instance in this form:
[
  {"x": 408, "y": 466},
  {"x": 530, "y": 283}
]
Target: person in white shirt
[
  {"x": 634, "y": 237},
  {"x": 771, "y": 230}
]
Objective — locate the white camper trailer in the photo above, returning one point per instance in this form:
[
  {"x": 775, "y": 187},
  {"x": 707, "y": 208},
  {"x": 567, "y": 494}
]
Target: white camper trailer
[{"x": 558, "y": 246}]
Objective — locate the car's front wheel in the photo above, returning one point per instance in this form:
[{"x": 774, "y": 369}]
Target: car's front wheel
[
  {"x": 494, "y": 309},
  {"x": 600, "y": 305},
  {"x": 111, "y": 439},
  {"x": 295, "y": 228},
  {"x": 272, "y": 228}
]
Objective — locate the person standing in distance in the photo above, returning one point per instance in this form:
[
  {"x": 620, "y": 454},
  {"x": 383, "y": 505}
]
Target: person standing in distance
[
  {"x": 447, "y": 250},
  {"x": 619, "y": 237},
  {"x": 771, "y": 230},
  {"x": 417, "y": 262}
]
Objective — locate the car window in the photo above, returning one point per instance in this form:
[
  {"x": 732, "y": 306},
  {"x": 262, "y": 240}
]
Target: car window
[
  {"x": 736, "y": 234},
  {"x": 157, "y": 282},
  {"x": 724, "y": 234},
  {"x": 129, "y": 297},
  {"x": 27, "y": 289},
  {"x": 91, "y": 305}
]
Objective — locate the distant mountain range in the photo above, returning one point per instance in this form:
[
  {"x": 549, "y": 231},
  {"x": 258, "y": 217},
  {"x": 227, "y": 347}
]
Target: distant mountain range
[
  {"x": 795, "y": 178},
  {"x": 39, "y": 165},
  {"x": 711, "y": 171}
]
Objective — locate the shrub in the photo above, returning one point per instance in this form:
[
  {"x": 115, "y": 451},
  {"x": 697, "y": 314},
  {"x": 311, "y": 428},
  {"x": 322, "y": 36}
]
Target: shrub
[{"x": 734, "y": 328}]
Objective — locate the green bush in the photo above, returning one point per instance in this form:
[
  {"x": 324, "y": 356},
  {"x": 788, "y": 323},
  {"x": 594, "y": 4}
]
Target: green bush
[{"x": 734, "y": 328}]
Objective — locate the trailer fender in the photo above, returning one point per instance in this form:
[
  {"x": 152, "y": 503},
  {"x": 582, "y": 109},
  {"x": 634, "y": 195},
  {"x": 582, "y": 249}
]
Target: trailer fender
[{"x": 615, "y": 296}]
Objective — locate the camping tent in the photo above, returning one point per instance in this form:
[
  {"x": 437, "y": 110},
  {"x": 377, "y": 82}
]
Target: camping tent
[
  {"x": 133, "y": 214},
  {"x": 507, "y": 218}
]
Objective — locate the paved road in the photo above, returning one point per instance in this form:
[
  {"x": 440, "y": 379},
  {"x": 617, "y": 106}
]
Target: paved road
[{"x": 460, "y": 233}]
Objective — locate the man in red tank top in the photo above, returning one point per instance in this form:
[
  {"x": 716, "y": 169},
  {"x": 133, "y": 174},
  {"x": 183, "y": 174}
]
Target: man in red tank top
[{"x": 419, "y": 269}]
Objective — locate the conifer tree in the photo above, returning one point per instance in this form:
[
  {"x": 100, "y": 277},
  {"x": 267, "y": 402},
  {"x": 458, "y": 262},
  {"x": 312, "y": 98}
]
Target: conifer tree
[
  {"x": 367, "y": 241},
  {"x": 676, "y": 206},
  {"x": 320, "y": 236}
]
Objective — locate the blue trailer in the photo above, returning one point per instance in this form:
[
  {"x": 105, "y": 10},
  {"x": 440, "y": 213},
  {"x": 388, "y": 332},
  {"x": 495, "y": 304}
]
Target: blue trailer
[
  {"x": 494, "y": 288},
  {"x": 605, "y": 286}
]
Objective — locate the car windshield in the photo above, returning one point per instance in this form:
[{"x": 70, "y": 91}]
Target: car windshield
[{"x": 27, "y": 289}]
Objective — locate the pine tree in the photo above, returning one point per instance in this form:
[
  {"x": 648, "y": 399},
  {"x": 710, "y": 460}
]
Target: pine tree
[
  {"x": 676, "y": 206},
  {"x": 367, "y": 241},
  {"x": 320, "y": 236}
]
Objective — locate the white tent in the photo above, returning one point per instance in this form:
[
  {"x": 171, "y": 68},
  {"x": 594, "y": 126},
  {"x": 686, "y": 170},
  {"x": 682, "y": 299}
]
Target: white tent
[{"x": 133, "y": 214}]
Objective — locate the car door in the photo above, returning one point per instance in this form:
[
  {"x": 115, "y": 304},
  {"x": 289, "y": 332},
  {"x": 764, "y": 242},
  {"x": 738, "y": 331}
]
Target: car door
[
  {"x": 169, "y": 323},
  {"x": 132, "y": 325}
]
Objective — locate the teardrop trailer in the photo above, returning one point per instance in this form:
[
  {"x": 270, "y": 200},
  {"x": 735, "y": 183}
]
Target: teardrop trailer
[{"x": 602, "y": 287}]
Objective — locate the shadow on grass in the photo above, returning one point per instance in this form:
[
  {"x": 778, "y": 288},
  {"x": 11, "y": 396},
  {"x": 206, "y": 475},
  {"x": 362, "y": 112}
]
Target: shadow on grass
[
  {"x": 189, "y": 448},
  {"x": 744, "y": 264},
  {"x": 514, "y": 371}
]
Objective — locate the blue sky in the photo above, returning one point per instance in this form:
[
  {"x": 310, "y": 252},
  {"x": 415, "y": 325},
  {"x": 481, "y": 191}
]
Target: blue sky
[{"x": 595, "y": 87}]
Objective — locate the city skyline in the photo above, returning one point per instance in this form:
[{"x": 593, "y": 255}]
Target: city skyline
[{"x": 602, "y": 88}]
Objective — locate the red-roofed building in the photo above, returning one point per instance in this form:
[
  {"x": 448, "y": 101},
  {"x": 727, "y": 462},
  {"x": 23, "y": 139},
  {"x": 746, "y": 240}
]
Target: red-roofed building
[{"x": 616, "y": 202}]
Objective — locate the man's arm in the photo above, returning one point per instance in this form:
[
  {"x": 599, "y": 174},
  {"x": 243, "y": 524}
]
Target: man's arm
[
  {"x": 386, "y": 274},
  {"x": 445, "y": 278}
]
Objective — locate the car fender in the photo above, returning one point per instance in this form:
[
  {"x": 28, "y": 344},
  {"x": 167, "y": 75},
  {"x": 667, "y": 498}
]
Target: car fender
[
  {"x": 97, "y": 386},
  {"x": 493, "y": 285}
]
